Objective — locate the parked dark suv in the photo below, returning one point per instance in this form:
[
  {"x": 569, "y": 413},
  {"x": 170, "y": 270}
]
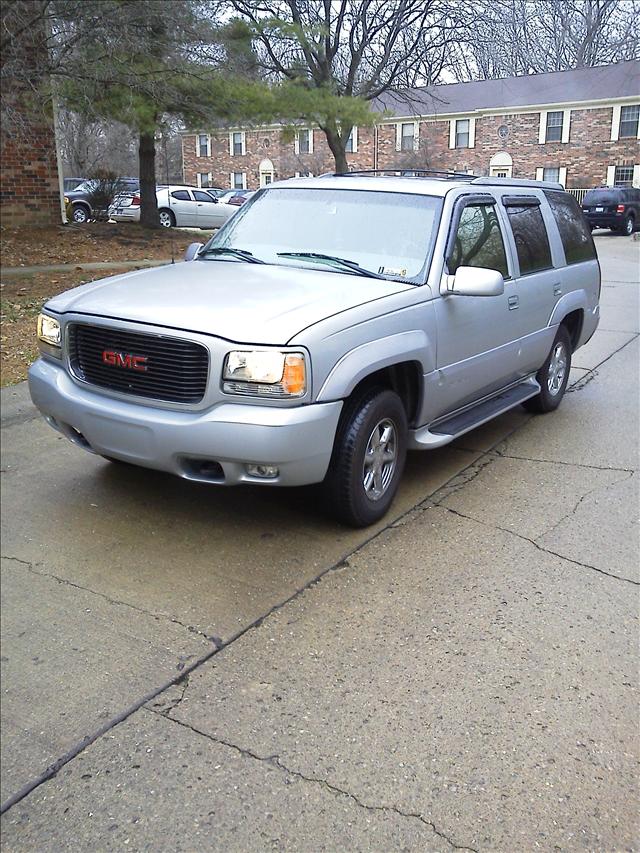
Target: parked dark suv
[{"x": 617, "y": 208}]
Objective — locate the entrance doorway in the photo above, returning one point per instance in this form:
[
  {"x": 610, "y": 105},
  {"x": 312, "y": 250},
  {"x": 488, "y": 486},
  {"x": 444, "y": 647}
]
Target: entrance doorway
[
  {"x": 266, "y": 173},
  {"x": 501, "y": 165}
]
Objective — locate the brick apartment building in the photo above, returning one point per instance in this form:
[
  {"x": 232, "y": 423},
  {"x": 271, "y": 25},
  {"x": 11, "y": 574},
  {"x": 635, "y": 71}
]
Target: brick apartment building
[{"x": 578, "y": 127}]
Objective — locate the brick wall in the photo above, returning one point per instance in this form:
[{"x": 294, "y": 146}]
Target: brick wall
[
  {"x": 29, "y": 191},
  {"x": 586, "y": 156}
]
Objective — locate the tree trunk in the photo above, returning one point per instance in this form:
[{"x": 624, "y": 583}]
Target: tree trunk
[
  {"x": 334, "y": 140},
  {"x": 148, "y": 199}
]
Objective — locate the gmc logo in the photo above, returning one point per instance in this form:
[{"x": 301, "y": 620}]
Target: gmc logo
[{"x": 124, "y": 359}]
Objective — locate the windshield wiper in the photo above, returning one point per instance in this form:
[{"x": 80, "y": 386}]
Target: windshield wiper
[
  {"x": 315, "y": 256},
  {"x": 243, "y": 254}
]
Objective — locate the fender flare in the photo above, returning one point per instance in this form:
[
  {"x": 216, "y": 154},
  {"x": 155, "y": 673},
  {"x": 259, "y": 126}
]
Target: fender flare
[
  {"x": 574, "y": 301},
  {"x": 372, "y": 356}
]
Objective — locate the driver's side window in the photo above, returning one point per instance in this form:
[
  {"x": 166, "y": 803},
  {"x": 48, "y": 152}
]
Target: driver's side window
[{"x": 478, "y": 241}]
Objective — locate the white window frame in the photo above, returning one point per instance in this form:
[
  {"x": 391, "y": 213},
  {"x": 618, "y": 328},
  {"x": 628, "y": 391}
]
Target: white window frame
[
  {"x": 198, "y": 154},
  {"x": 633, "y": 174},
  {"x": 199, "y": 179},
  {"x": 566, "y": 127},
  {"x": 243, "y": 140},
  {"x": 232, "y": 183},
  {"x": 296, "y": 141},
  {"x": 303, "y": 175},
  {"x": 353, "y": 136},
  {"x": 472, "y": 131},
  {"x": 416, "y": 134}
]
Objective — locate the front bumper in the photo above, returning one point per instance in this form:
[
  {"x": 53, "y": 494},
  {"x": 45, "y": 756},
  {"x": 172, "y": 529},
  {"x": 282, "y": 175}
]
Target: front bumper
[{"x": 298, "y": 441}]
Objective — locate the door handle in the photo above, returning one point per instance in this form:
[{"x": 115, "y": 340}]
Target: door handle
[
  {"x": 557, "y": 289},
  {"x": 513, "y": 302}
]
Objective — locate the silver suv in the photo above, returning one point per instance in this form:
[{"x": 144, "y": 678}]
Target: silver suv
[{"x": 331, "y": 325}]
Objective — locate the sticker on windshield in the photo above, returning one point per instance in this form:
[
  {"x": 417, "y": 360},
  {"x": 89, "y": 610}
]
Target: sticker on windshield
[{"x": 392, "y": 271}]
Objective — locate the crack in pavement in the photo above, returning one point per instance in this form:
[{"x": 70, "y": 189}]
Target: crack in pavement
[
  {"x": 537, "y": 545},
  {"x": 503, "y": 455},
  {"x": 600, "y": 488},
  {"x": 159, "y": 616},
  {"x": 275, "y": 761}
]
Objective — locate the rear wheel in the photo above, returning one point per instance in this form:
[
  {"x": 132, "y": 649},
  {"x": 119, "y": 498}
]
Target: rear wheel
[
  {"x": 368, "y": 458},
  {"x": 166, "y": 218},
  {"x": 553, "y": 375},
  {"x": 628, "y": 226}
]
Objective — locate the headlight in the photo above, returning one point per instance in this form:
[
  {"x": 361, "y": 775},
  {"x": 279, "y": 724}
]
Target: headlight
[
  {"x": 265, "y": 373},
  {"x": 49, "y": 330}
]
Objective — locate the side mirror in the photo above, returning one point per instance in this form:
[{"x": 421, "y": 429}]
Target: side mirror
[
  {"x": 192, "y": 251},
  {"x": 473, "y": 281}
]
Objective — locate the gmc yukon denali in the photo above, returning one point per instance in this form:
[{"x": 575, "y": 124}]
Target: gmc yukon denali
[{"x": 331, "y": 325}]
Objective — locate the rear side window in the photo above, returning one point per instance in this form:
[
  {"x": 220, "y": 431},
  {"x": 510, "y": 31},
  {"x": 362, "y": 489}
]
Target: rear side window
[
  {"x": 530, "y": 235},
  {"x": 573, "y": 227},
  {"x": 478, "y": 241}
]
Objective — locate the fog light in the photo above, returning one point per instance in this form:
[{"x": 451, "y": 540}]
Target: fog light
[{"x": 265, "y": 472}]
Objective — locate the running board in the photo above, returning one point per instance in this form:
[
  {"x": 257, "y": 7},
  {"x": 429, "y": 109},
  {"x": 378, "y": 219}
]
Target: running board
[{"x": 444, "y": 431}]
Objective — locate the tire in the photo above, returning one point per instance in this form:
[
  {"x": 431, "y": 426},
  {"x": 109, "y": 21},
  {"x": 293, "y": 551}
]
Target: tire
[
  {"x": 166, "y": 218},
  {"x": 80, "y": 214},
  {"x": 628, "y": 226},
  {"x": 553, "y": 375},
  {"x": 368, "y": 458}
]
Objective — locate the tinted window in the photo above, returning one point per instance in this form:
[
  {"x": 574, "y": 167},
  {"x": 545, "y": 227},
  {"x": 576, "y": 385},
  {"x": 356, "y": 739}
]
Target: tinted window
[
  {"x": 530, "y": 235},
  {"x": 200, "y": 196},
  {"x": 181, "y": 195},
  {"x": 478, "y": 241},
  {"x": 574, "y": 229},
  {"x": 604, "y": 196}
]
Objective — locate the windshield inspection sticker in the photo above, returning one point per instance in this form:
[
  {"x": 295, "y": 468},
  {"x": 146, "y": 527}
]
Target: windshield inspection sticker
[{"x": 391, "y": 271}]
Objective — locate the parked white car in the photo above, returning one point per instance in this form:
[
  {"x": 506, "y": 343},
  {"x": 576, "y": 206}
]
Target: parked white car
[{"x": 178, "y": 206}]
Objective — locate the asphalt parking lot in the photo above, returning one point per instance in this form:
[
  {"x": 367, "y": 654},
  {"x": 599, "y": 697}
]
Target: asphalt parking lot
[{"x": 226, "y": 669}]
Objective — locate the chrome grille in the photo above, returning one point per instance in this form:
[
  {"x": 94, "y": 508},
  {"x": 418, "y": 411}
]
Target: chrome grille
[{"x": 175, "y": 370}]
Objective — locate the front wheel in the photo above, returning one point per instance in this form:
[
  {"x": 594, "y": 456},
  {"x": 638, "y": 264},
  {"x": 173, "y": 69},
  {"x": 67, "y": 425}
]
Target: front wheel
[
  {"x": 80, "y": 214},
  {"x": 553, "y": 375},
  {"x": 368, "y": 458},
  {"x": 166, "y": 219}
]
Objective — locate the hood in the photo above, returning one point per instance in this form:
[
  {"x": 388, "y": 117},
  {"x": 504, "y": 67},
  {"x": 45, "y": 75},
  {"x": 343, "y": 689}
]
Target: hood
[{"x": 241, "y": 302}]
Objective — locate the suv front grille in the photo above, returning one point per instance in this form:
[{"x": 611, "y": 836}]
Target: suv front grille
[{"x": 154, "y": 366}]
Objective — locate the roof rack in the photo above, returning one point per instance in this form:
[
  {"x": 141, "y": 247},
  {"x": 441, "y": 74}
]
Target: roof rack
[{"x": 441, "y": 174}]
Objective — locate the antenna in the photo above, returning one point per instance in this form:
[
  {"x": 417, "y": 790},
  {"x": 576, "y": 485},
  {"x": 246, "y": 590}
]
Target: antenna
[{"x": 166, "y": 176}]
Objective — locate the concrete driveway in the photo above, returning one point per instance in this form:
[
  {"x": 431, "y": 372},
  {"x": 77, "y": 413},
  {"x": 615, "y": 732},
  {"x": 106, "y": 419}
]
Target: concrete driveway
[{"x": 177, "y": 677}]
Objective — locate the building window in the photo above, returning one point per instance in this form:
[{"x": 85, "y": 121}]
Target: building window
[
  {"x": 629, "y": 121},
  {"x": 554, "y": 126},
  {"x": 462, "y": 133},
  {"x": 304, "y": 174},
  {"x": 203, "y": 145},
  {"x": 204, "y": 179},
  {"x": 304, "y": 142},
  {"x": 351, "y": 145},
  {"x": 237, "y": 143},
  {"x": 623, "y": 176},
  {"x": 551, "y": 174},
  {"x": 238, "y": 181},
  {"x": 407, "y": 132}
]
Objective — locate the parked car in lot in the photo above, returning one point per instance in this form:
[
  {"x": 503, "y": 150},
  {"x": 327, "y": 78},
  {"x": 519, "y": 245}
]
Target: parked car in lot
[
  {"x": 331, "y": 325},
  {"x": 238, "y": 197},
  {"x": 617, "y": 208},
  {"x": 81, "y": 201},
  {"x": 178, "y": 206}
]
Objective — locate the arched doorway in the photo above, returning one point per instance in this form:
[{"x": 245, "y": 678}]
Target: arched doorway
[
  {"x": 501, "y": 165},
  {"x": 266, "y": 173}
]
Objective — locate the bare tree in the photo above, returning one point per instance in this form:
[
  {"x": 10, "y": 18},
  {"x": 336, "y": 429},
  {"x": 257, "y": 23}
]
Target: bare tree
[
  {"x": 352, "y": 48},
  {"x": 513, "y": 37}
]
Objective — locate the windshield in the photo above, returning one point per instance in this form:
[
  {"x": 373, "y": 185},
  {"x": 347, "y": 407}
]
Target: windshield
[
  {"x": 87, "y": 186},
  {"x": 390, "y": 234}
]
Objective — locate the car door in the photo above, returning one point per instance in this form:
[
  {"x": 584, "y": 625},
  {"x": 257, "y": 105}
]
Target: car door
[
  {"x": 538, "y": 275},
  {"x": 183, "y": 206},
  {"x": 476, "y": 335},
  {"x": 208, "y": 210}
]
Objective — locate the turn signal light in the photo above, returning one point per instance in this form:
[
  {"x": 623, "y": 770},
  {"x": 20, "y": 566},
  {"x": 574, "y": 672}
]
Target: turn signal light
[{"x": 293, "y": 378}]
